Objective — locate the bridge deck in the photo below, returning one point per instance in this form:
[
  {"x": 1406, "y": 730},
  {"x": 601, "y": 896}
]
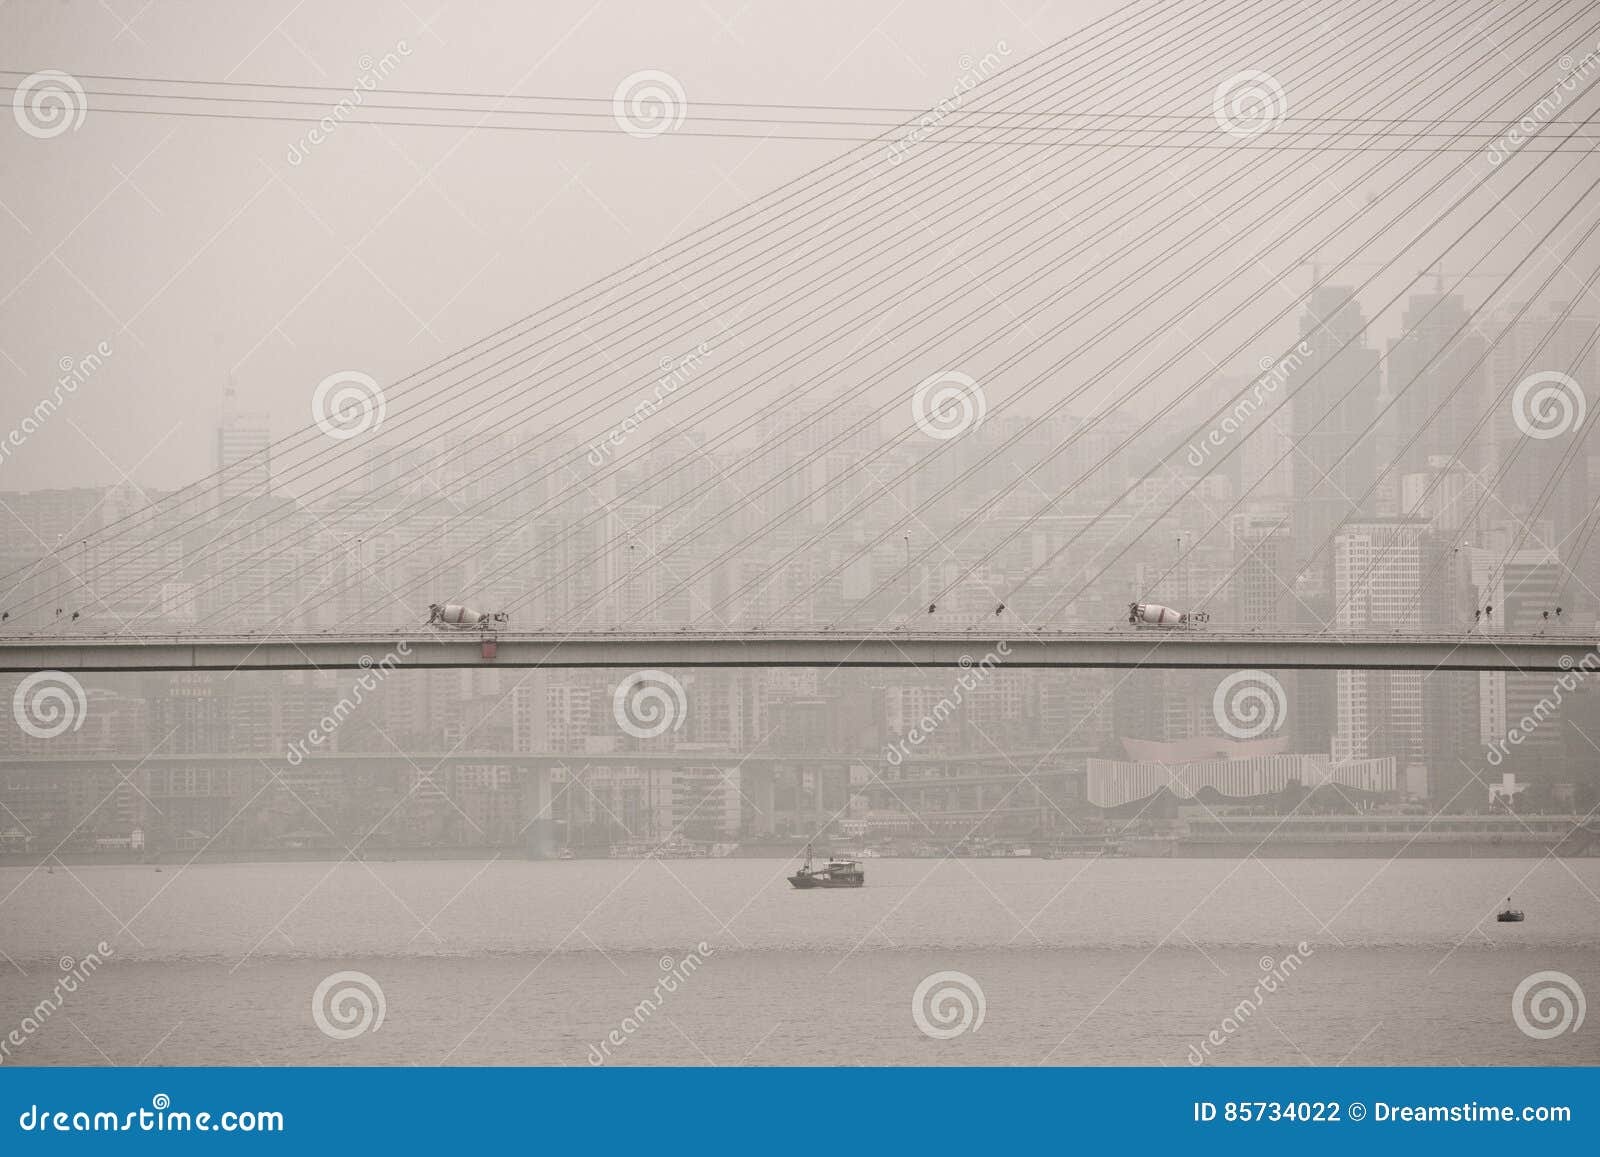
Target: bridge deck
[{"x": 1215, "y": 650}]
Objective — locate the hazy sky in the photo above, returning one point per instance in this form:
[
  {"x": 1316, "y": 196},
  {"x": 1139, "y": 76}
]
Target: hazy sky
[{"x": 196, "y": 250}]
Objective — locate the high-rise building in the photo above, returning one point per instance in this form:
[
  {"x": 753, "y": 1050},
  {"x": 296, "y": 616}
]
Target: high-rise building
[
  {"x": 244, "y": 455},
  {"x": 1334, "y": 394},
  {"x": 1377, "y": 585},
  {"x": 1547, "y": 477},
  {"x": 1436, "y": 380},
  {"x": 1263, "y": 566},
  {"x": 1521, "y": 588}
]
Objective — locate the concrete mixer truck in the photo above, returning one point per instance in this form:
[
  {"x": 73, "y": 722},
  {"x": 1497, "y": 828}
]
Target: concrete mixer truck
[{"x": 1155, "y": 617}]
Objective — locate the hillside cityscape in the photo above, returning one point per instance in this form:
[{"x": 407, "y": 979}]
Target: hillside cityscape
[{"x": 1320, "y": 523}]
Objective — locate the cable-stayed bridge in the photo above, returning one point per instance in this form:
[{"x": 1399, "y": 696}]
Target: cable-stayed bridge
[
  {"x": 816, "y": 649},
  {"x": 1178, "y": 443},
  {"x": 966, "y": 386}
]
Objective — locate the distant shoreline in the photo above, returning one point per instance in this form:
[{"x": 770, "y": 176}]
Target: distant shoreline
[{"x": 1274, "y": 851}]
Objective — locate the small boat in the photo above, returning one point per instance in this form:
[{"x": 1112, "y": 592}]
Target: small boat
[
  {"x": 838, "y": 872},
  {"x": 1509, "y": 915}
]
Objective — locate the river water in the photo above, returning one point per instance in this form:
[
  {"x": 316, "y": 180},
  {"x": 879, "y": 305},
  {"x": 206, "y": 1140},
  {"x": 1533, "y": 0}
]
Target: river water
[{"x": 1110, "y": 961}]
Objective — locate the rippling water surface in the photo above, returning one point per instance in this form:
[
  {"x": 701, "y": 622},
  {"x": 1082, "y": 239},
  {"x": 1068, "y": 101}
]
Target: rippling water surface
[{"x": 1077, "y": 962}]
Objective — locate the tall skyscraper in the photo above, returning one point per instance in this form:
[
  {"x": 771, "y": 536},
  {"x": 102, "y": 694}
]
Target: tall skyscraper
[
  {"x": 1335, "y": 395},
  {"x": 1377, "y": 585},
  {"x": 244, "y": 457},
  {"x": 1548, "y": 476},
  {"x": 1437, "y": 375},
  {"x": 1522, "y": 588}
]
